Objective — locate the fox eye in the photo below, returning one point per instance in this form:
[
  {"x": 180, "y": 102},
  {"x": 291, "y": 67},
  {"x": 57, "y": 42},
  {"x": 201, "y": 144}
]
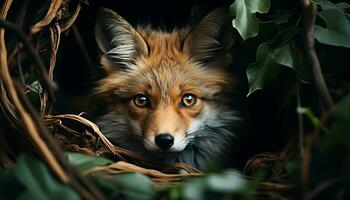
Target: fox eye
[
  {"x": 188, "y": 100},
  {"x": 141, "y": 100}
]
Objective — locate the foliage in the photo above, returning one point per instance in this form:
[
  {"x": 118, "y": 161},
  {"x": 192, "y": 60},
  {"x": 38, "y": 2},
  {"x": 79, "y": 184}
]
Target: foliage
[
  {"x": 337, "y": 32},
  {"x": 31, "y": 179},
  {"x": 245, "y": 20},
  {"x": 327, "y": 174},
  {"x": 275, "y": 60},
  {"x": 84, "y": 162},
  {"x": 275, "y": 52},
  {"x": 329, "y": 164}
]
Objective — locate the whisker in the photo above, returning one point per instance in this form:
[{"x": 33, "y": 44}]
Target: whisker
[{"x": 194, "y": 132}]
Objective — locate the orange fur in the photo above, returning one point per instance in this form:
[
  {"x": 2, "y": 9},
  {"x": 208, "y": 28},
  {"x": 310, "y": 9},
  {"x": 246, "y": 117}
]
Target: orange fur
[
  {"x": 165, "y": 67},
  {"x": 165, "y": 74}
]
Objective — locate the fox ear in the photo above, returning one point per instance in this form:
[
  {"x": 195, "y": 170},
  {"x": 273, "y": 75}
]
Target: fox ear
[
  {"x": 211, "y": 38},
  {"x": 119, "y": 42}
]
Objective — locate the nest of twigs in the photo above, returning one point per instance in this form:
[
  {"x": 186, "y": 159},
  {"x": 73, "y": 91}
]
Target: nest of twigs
[{"x": 37, "y": 131}]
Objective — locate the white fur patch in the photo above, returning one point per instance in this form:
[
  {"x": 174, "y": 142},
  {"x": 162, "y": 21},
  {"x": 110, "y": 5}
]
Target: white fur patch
[
  {"x": 196, "y": 125},
  {"x": 150, "y": 143},
  {"x": 179, "y": 144}
]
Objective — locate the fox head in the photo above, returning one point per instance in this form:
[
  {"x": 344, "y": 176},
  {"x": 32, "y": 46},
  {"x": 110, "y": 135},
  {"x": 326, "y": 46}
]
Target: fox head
[{"x": 166, "y": 85}]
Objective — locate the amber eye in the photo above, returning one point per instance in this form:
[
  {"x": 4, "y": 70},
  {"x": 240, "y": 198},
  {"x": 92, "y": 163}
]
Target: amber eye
[
  {"x": 188, "y": 100},
  {"x": 141, "y": 100}
]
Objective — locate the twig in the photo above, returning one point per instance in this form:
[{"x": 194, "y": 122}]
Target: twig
[
  {"x": 24, "y": 115},
  {"x": 68, "y": 22},
  {"x": 22, "y": 14},
  {"x": 19, "y": 61},
  {"x": 57, "y": 152},
  {"x": 119, "y": 152},
  {"x": 30, "y": 123},
  {"x": 273, "y": 195},
  {"x": 157, "y": 176},
  {"x": 319, "y": 188},
  {"x": 276, "y": 186},
  {"x": 50, "y": 15},
  {"x": 55, "y": 36},
  {"x": 49, "y": 85},
  {"x": 309, "y": 12},
  {"x": 300, "y": 123}
]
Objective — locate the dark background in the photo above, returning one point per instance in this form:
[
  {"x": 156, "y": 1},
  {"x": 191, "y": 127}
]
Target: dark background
[
  {"x": 75, "y": 76},
  {"x": 270, "y": 120}
]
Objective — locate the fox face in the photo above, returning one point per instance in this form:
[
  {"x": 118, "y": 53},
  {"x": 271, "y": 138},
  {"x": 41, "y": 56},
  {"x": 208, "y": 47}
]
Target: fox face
[{"x": 168, "y": 89}]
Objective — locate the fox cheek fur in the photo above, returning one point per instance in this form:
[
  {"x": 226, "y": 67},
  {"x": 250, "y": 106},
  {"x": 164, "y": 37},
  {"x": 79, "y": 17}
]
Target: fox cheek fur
[{"x": 171, "y": 89}]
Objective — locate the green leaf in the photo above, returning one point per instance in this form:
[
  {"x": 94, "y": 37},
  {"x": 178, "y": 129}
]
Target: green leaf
[
  {"x": 339, "y": 129},
  {"x": 269, "y": 56},
  {"x": 217, "y": 186},
  {"x": 337, "y": 31},
  {"x": 331, "y": 154},
  {"x": 265, "y": 68},
  {"x": 284, "y": 36},
  {"x": 134, "y": 185},
  {"x": 106, "y": 187},
  {"x": 10, "y": 188},
  {"x": 288, "y": 55},
  {"x": 35, "y": 182},
  {"x": 175, "y": 192},
  {"x": 246, "y": 22},
  {"x": 227, "y": 182},
  {"x": 281, "y": 16},
  {"x": 194, "y": 190},
  {"x": 85, "y": 162},
  {"x": 36, "y": 87},
  {"x": 326, "y": 5}
]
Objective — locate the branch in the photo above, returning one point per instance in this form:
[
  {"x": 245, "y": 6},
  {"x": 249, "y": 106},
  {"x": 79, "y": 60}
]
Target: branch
[
  {"x": 300, "y": 123},
  {"x": 9, "y": 87},
  {"x": 48, "y": 85},
  {"x": 309, "y": 12},
  {"x": 30, "y": 119},
  {"x": 79, "y": 182}
]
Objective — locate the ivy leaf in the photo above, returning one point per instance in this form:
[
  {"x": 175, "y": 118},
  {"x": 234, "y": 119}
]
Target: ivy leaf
[
  {"x": 31, "y": 179},
  {"x": 283, "y": 37},
  {"x": 217, "y": 186},
  {"x": 288, "y": 55},
  {"x": 227, "y": 182},
  {"x": 194, "y": 189},
  {"x": 269, "y": 57},
  {"x": 265, "y": 68},
  {"x": 134, "y": 185},
  {"x": 85, "y": 162},
  {"x": 337, "y": 31},
  {"x": 36, "y": 87},
  {"x": 326, "y": 5},
  {"x": 246, "y": 22},
  {"x": 268, "y": 61},
  {"x": 109, "y": 189},
  {"x": 281, "y": 17}
]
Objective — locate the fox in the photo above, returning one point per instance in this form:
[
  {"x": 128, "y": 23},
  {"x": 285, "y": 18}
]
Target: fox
[{"x": 169, "y": 91}]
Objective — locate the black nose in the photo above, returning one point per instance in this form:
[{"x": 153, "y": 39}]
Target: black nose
[{"x": 164, "y": 141}]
